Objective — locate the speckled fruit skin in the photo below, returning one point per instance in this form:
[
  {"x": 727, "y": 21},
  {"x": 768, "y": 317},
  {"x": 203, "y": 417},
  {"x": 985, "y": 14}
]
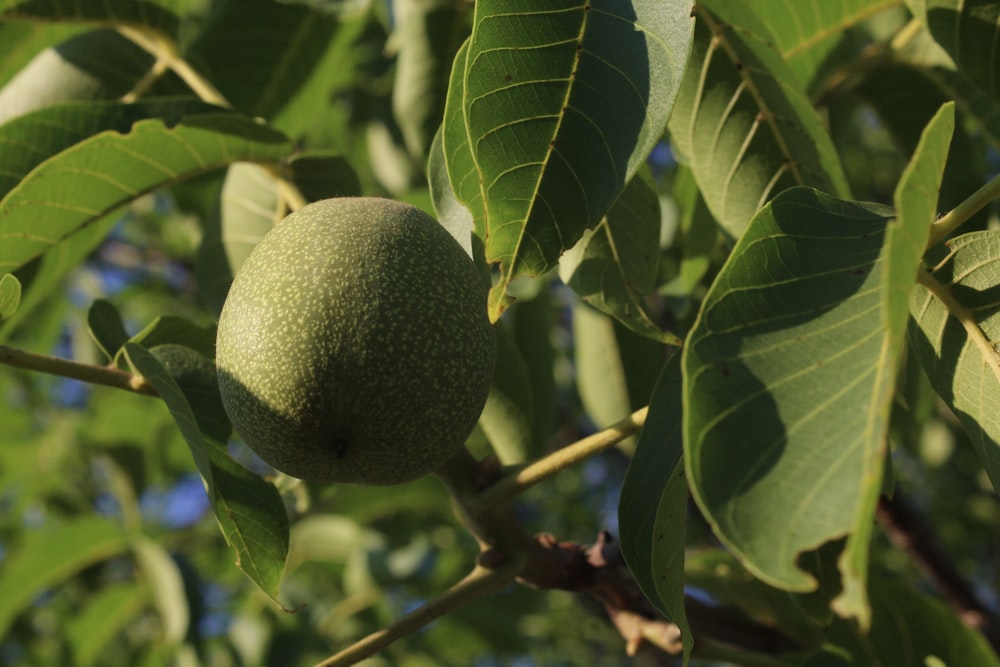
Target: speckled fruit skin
[{"x": 354, "y": 344}]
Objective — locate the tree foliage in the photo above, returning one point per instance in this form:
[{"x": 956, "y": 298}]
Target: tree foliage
[{"x": 744, "y": 267}]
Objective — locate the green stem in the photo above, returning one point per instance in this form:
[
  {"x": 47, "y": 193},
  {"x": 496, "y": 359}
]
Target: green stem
[
  {"x": 542, "y": 469},
  {"x": 957, "y": 216},
  {"x": 478, "y": 583},
  {"x": 165, "y": 50},
  {"x": 906, "y": 35},
  {"x": 102, "y": 375}
]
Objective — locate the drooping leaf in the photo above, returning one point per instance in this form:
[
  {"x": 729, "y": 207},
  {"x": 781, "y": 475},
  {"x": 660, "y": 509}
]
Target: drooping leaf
[
  {"x": 10, "y": 296},
  {"x": 968, "y": 32},
  {"x": 51, "y": 554},
  {"x": 92, "y": 178},
  {"x": 954, "y": 330},
  {"x": 916, "y": 199},
  {"x": 166, "y": 586},
  {"x": 614, "y": 267},
  {"x": 249, "y": 510},
  {"x": 784, "y": 372},
  {"x": 745, "y": 127},
  {"x": 551, "y": 110},
  {"x": 652, "y": 510},
  {"x": 195, "y": 374},
  {"x": 78, "y": 69}
]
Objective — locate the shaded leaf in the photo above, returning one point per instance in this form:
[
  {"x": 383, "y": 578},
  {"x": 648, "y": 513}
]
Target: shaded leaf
[
  {"x": 106, "y": 328},
  {"x": 652, "y": 510},
  {"x": 92, "y": 178},
  {"x": 551, "y": 112},
  {"x": 20, "y": 41},
  {"x": 52, "y": 554},
  {"x": 953, "y": 332},
  {"x": 195, "y": 375},
  {"x": 614, "y": 267},
  {"x": 968, "y": 32},
  {"x": 745, "y": 127},
  {"x": 323, "y": 174},
  {"x": 249, "y": 510},
  {"x": 159, "y": 15},
  {"x": 790, "y": 346}
]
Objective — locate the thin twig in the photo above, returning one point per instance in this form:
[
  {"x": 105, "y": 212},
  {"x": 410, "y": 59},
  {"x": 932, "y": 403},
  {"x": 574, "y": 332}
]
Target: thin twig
[
  {"x": 479, "y": 583},
  {"x": 102, "y": 375},
  {"x": 957, "y": 216},
  {"x": 542, "y": 469}
]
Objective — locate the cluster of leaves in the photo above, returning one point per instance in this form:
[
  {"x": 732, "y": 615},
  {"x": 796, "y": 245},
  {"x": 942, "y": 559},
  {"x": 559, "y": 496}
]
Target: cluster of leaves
[{"x": 827, "y": 322}]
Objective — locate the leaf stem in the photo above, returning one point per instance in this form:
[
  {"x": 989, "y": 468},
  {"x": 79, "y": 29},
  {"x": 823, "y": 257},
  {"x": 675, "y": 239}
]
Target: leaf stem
[
  {"x": 166, "y": 51},
  {"x": 957, "y": 216},
  {"x": 511, "y": 485},
  {"x": 102, "y": 375},
  {"x": 976, "y": 335},
  {"x": 480, "y": 582}
]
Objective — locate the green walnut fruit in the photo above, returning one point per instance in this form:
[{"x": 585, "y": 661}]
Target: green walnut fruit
[{"x": 354, "y": 344}]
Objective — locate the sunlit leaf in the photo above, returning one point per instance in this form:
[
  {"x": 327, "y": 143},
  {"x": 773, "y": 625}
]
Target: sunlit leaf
[
  {"x": 652, "y": 511},
  {"x": 166, "y": 586},
  {"x": 745, "y": 127},
  {"x": 551, "y": 110},
  {"x": 10, "y": 295},
  {"x": 20, "y": 41},
  {"x": 77, "y": 69},
  {"x": 249, "y": 510},
  {"x": 90, "y": 179},
  {"x": 52, "y": 553}
]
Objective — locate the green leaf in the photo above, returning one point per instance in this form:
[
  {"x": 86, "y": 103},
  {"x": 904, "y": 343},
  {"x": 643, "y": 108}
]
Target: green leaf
[
  {"x": 21, "y": 41},
  {"x": 784, "y": 370},
  {"x": 323, "y": 174},
  {"x": 915, "y": 198},
  {"x": 158, "y": 15},
  {"x": 51, "y": 554},
  {"x": 166, "y": 584},
  {"x": 195, "y": 374},
  {"x": 451, "y": 213},
  {"x": 10, "y": 296},
  {"x": 807, "y": 31},
  {"x": 953, "y": 332},
  {"x": 615, "y": 266},
  {"x": 508, "y": 415},
  {"x": 78, "y": 69},
  {"x": 259, "y": 53},
  {"x": 745, "y": 127},
  {"x": 697, "y": 236},
  {"x": 250, "y": 207},
  {"x": 967, "y": 31},
  {"x": 106, "y": 328},
  {"x": 616, "y": 368},
  {"x": 249, "y": 510},
  {"x": 94, "y": 177},
  {"x": 107, "y": 612},
  {"x": 426, "y": 36},
  {"x": 653, "y": 505},
  {"x": 551, "y": 111},
  {"x": 910, "y": 627},
  {"x": 174, "y": 330}
]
